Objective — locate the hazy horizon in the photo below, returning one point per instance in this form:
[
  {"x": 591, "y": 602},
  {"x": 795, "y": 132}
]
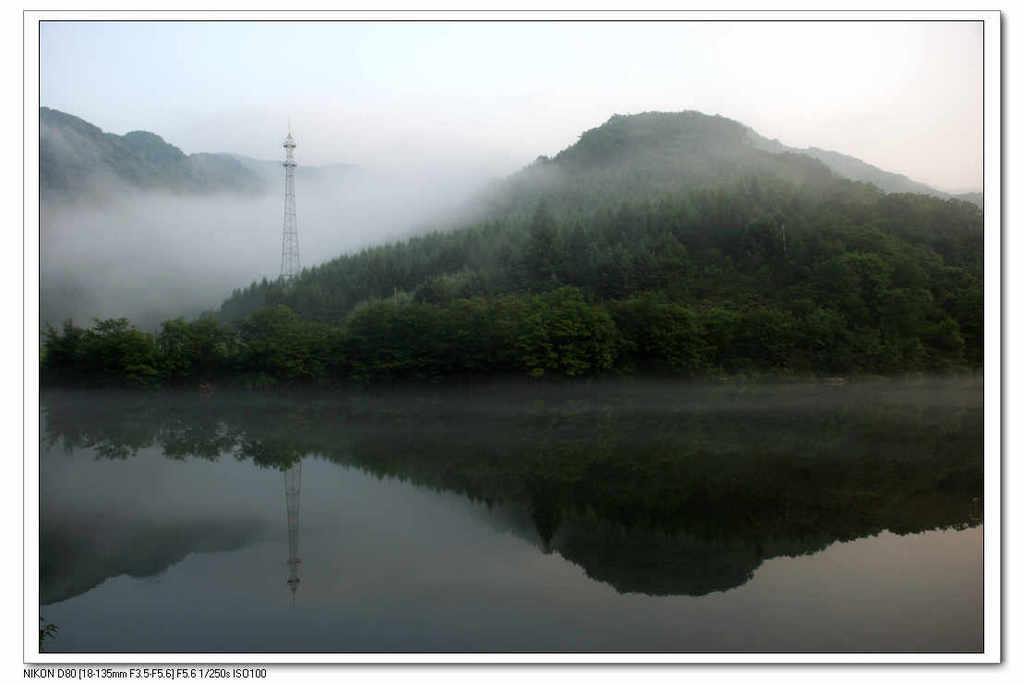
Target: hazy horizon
[{"x": 485, "y": 99}]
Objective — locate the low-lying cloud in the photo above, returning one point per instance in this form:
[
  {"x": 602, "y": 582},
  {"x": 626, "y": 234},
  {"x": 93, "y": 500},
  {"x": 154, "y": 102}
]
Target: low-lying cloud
[{"x": 154, "y": 255}]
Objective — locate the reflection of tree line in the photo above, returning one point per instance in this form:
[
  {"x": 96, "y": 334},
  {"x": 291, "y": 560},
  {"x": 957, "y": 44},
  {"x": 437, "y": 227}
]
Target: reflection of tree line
[{"x": 662, "y": 500}]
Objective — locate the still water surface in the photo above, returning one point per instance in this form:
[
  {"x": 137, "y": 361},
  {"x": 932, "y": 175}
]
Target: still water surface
[{"x": 634, "y": 517}]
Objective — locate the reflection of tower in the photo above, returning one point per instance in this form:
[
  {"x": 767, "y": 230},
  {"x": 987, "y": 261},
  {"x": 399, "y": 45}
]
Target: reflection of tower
[
  {"x": 290, "y": 240},
  {"x": 292, "y": 485}
]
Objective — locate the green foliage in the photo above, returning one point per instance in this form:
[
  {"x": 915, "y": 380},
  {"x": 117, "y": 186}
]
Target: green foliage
[
  {"x": 660, "y": 334},
  {"x": 111, "y": 352},
  {"x": 197, "y": 351},
  {"x": 553, "y": 333},
  {"x": 275, "y": 345},
  {"x": 757, "y": 276},
  {"x": 387, "y": 339},
  {"x": 657, "y": 243},
  {"x": 559, "y": 333}
]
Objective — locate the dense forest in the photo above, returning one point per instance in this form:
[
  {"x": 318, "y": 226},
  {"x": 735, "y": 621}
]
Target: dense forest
[{"x": 667, "y": 243}]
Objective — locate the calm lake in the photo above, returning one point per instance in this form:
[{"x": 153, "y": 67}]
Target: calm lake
[{"x": 600, "y": 517}]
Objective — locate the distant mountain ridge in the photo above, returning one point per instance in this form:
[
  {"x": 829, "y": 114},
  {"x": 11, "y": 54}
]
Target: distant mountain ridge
[
  {"x": 855, "y": 169},
  {"x": 271, "y": 171},
  {"x": 78, "y": 159}
]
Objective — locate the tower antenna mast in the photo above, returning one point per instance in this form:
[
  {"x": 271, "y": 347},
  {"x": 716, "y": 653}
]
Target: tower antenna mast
[{"x": 290, "y": 240}]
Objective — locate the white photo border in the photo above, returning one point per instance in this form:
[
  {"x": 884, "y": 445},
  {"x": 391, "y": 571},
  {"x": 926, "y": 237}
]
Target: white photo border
[{"x": 993, "y": 322}]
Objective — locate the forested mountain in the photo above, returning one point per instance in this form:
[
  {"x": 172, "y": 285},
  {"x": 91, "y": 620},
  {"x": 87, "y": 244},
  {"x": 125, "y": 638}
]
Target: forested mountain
[
  {"x": 661, "y": 241},
  {"x": 78, "y": 159}
]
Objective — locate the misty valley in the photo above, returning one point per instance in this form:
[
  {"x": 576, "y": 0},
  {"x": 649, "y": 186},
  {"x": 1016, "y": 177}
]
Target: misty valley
[
  {"x": 678, "y": 387},
  {"x": 658, "y": 243},
  {"x": 622, "y": 516}
]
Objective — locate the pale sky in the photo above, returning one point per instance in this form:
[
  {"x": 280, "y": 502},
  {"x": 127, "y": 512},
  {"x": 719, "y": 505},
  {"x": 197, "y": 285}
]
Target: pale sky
[{"x": 488, "y": 98}]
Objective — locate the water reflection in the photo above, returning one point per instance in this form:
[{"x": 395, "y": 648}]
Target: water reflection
[
  {"x": 292, "y": 488},
  {"x": 649, "y": 489}
]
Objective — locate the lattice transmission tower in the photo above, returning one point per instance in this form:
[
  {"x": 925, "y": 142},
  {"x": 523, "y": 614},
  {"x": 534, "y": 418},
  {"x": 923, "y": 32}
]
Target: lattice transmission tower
[{"x": 290, "y": 241}]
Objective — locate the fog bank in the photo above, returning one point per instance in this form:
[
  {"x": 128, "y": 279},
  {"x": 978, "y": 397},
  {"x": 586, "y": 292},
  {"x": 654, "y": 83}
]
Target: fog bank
[{"x": 153, "y": 255}]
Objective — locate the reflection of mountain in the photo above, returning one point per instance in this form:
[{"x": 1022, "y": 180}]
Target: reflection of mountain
[
  {"x": 670, "y": 490},
  {"x": 655, "y": 563},
  {"x": 637, "y": 559},
  {"x": 76, "y": 555}
]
